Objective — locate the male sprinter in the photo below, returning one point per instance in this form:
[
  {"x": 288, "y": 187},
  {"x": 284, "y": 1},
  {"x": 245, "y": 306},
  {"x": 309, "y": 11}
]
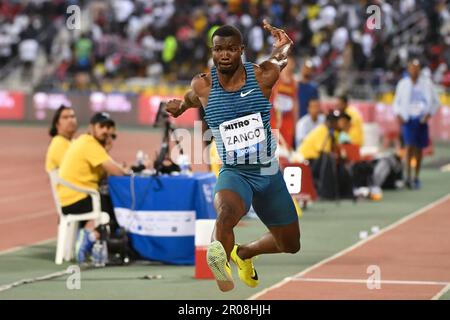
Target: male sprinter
[{"x": 235, "y": 97}]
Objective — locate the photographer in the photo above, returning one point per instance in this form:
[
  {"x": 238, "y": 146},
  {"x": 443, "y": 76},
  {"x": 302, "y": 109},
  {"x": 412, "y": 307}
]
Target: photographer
[{"x": 321, "y": 149}]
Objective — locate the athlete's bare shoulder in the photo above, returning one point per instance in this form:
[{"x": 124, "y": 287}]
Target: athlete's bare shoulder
[{"x": 201, "y": 84}]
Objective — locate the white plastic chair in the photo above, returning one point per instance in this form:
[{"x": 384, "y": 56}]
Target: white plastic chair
[{"x": 68, "y": 223}]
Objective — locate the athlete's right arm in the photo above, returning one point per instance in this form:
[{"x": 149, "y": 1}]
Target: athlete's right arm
[{"x": 195, "y": 98}]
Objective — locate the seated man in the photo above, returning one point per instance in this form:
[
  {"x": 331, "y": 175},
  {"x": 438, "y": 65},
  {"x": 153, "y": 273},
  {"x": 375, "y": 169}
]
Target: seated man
[
  {"x": 64, "y": 126},
  {"x": 356, "y": 132},
  {"x": 309, "y": 121},
  {"x": 85, "y": 163}
]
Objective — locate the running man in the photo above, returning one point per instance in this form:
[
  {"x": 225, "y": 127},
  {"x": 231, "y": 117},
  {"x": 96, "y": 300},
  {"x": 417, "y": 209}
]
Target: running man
[{"x": 235, "y": 97}]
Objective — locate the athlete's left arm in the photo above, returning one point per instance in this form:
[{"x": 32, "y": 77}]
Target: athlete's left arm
[{"x": 271, "y": 68}]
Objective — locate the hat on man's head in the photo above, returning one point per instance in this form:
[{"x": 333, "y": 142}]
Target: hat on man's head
[{"x": 102, "y": 117}]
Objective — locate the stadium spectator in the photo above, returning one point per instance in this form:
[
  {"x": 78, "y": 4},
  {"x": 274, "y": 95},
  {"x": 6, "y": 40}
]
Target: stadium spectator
[
  {"x": 356, "y": 132},
  {"x": 6, "y": 50},
  {"x": 307, "y": 89},
  {"x": 28, "y": 53},
  {"x": 285, "y": 104},
  {"x": 85, "y": 163},
  {"x": 62, "y": 130},
  {"x": 327, "y": 32},
  {"x": 415, "y": 102},
  {"x": 309, "y": 122},
  {"x": 83, "y": 53}
]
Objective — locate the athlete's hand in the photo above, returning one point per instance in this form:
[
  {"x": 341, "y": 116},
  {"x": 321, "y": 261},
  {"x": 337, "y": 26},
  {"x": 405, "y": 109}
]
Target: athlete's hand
[
  {"x": 281, "y": 38},
  {"x": 174, "y": 107}
]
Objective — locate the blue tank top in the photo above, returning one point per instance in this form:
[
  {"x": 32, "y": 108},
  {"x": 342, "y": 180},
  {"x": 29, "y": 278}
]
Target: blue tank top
[{"x": 240, "y": 121}]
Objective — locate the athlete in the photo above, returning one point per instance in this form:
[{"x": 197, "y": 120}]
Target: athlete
[{"x": 235, "y": 97}]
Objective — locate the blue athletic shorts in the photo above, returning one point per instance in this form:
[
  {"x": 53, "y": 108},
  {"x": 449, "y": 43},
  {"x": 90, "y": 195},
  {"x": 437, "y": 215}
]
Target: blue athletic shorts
[
  {"x": 415, "y": 133},
  {"x": 268, "y": 193}
]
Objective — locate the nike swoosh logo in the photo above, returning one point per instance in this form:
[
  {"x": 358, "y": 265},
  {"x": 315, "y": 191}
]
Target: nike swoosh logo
[
  {"x": 246, "y": 94},
  {"x": 255, "y": 277}
]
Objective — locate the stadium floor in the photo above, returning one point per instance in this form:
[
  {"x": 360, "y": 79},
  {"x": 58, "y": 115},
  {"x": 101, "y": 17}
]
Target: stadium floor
[{"x": 327, "y": 228}]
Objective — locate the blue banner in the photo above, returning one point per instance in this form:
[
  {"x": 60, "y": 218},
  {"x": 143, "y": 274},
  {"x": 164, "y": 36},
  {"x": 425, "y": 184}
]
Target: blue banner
[{"x": 159, "y": 213}]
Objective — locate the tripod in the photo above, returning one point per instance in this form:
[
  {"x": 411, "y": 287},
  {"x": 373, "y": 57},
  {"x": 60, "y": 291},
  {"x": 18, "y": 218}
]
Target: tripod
[
  {"x": 327, "y": 161},
  {"x": 163, "y": 164}
]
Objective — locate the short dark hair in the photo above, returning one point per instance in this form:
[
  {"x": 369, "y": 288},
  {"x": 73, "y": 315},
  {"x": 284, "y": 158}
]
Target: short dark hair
[
  {"x": 53, "y": 130},
  {"x": 228, "y": 31},
  {"x": 102, "y": 118}
]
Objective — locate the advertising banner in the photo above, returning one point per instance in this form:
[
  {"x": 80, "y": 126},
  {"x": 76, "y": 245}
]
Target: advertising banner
[{"x": 11, "y": 105}]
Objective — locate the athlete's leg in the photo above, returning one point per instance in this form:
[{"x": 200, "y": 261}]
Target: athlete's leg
[
  {"x": 280, "y": 239},
  {"x": 232, "y": 199},
  {"x": 230, "y": 208},
  {"x": 277, "y": 211}
]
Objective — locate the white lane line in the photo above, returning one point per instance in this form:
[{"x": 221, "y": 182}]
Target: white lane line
[
  {"x": 14, "y": 249},
  {"x": 39, "y": 214},
  {"x": 356, "y": 245},
  {"x": 365, "y": 281},
  {"x": 25, "y": 196}
]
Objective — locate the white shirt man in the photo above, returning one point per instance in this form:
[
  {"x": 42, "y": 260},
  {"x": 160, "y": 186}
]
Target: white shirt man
[{"x": 309, "y": 121}]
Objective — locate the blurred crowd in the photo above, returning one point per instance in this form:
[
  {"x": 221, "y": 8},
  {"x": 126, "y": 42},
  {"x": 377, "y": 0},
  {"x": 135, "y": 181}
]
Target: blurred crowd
[{"x": 169, "y": 39}]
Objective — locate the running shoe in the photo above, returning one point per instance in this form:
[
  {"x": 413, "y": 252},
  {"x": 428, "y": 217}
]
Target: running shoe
[
  {"x": 246, "y": 270},
  {"x": 219, "y": 266}
]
